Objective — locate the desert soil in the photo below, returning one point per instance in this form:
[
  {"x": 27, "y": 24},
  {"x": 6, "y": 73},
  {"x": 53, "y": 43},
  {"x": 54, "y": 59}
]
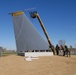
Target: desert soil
[{"x": 52, "y": 65}]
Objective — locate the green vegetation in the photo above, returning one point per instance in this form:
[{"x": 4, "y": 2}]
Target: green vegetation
[{"x": 7, "y": 53}]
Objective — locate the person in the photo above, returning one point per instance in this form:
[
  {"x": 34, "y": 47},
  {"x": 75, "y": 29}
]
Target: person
[
  {"x": 62, "y": 48},
  {"x": 57, "y": 49},
  {"x": 66, "y": 50}
]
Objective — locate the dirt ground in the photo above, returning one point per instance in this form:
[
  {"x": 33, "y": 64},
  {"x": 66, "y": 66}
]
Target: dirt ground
[{"x": 53, "y": 65}]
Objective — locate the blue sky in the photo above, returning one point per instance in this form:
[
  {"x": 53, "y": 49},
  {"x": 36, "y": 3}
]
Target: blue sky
[{"x": 58, "y": 16}]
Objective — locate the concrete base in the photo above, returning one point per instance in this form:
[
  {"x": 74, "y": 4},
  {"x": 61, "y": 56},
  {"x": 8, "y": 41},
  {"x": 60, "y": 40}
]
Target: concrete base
[{"x": 36, "y": 54}]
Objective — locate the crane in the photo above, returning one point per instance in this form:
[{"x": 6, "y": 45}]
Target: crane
[{"x": 35, "y": 14}]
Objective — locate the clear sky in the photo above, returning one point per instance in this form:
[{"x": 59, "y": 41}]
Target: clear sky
[{"x": 58, "y": 16}]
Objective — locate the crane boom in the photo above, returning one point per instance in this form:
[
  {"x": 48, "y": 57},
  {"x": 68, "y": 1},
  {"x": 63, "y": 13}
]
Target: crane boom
[{"x": 34, "y": 15}]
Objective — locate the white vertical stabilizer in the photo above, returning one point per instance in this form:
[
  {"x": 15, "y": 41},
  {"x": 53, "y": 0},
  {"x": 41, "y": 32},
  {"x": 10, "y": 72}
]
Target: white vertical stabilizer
[{"x": 26, "y": 35}]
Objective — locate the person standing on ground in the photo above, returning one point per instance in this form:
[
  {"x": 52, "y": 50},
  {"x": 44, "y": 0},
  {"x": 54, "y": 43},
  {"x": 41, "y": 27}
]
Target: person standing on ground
[
  {"x": 62, "y": 48},
  {"x": 57, "y": 49},
  {"x": 67, "y": 51}
]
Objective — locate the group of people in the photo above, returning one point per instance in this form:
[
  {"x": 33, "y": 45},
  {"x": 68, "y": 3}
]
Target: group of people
[{"x": 65, "y": 49}]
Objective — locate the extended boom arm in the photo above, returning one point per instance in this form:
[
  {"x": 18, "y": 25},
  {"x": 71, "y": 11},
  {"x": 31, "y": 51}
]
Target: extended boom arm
[{"x": 34, "y": 15}]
